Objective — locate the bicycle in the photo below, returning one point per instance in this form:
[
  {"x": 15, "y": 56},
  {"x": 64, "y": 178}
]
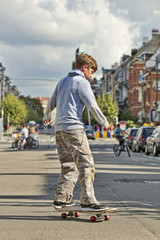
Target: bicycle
[
  {"x": 117, "y": 149},
  {"x": 31, "y": 143}
]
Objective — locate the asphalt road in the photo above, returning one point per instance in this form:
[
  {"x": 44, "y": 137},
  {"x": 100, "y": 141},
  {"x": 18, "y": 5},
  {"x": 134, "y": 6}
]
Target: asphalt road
[{"x": 28, "y": 180}]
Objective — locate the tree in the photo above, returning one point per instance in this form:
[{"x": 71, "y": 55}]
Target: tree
[
  {"x": 33, "y": 103},
  {"x": 17, "y": 110},
  {"x": 126, "y": 115},
  {"x": 85, "y": 117},
  {"x": 13, "y": 108},
  {"x": 31, "y": 115},
  {"x": 108, "y": 106}
]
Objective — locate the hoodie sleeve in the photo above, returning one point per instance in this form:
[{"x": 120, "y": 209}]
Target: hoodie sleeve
[
  {"x": 50, "y": 107},
  {"x": 87, "y": 97}
]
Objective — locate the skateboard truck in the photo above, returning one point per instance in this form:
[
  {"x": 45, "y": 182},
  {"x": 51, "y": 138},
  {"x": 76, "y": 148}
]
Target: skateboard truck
[
  {"x": 70, "y": 214},
  {"x": 99, "y": 217}
]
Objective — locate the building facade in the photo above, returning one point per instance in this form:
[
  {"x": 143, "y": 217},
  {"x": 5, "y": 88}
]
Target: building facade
[
  {"x": 135, "y": 81},
  {"x": 143, "y": 93}
]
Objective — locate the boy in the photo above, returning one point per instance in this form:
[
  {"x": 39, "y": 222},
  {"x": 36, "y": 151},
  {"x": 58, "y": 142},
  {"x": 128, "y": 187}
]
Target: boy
[
  {"x": 70, "y": 97},
  {"x": 118, "y": 132}
]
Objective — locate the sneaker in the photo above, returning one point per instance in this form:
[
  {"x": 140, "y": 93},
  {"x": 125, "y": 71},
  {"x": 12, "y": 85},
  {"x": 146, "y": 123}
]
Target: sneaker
[
  {"x": 94, "y": 207},
  {"x": 57, "y": 204}
]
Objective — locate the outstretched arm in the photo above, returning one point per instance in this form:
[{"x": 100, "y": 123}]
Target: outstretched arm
[{"x": 88, "y": 98}]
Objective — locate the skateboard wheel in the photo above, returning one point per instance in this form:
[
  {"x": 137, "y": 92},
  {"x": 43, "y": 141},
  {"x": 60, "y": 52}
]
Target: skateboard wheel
[
  {"x": 93, "y": 219},
  {"x": 106, "y": 217},
  {"x": 63, "y": 215},
  {"x": 77, "y": 214}
]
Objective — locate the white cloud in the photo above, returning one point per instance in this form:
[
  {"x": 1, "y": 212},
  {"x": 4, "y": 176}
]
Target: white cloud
[
  {"x": 39, "y": 38},
  {"x": 156, "y": 12}
]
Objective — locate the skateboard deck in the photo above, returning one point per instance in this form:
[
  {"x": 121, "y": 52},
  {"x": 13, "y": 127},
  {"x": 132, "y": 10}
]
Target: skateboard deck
[{"x": 75, "y": 211}]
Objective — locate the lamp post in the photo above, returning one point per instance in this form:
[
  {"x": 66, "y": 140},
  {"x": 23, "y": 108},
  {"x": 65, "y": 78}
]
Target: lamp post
[
  {"x": 1, "y": 81},
  {"x": 2, "y": 69},
  {"x": 1, "y": 118},
  {"x": 157, "y": 61}
]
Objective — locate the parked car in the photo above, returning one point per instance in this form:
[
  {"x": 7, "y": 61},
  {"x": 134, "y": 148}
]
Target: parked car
[
  {"x": 129, "y": 135},
  {"x": 139, "y": 141},
  {"x": 90, "y": 134},
  {"x": 153, "y": 143}
]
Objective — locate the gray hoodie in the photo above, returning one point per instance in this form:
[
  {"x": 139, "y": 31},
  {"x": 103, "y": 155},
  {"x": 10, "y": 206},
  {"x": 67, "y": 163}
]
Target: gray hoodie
[{"x": 70, "y": 97}]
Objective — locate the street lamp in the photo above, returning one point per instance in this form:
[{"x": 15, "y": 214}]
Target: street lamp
[
  {"x": 2, "y": 69},
  {"x": 1, "y": 118},
  {"x": 157, "y": 61}
]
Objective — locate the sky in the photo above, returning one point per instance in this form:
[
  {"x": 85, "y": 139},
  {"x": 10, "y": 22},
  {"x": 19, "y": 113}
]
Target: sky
[{"x": 38, "y": 38}]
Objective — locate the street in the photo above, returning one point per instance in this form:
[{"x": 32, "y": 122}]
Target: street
[{"x": 28, "y": 181}]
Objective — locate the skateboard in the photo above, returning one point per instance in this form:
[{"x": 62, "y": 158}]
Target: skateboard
[{"x": 75, "y": 211}]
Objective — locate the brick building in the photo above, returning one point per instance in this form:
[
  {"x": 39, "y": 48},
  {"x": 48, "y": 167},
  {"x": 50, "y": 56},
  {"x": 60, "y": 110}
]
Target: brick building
[
  {"x": 44, "y": 102},
  {"x": 134, "y": 82},
  {"x": 143, "y": 91}
]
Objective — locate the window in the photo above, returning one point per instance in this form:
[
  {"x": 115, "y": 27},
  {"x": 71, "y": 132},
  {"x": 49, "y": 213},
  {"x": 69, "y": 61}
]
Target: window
[
  {"x": 118, "y": 95},
  {"x": 157, "y": 86},
  {"x": 139, "y": 95},
  {"x": 139, "y": 116},
  {"x": 140, "y": 76}
]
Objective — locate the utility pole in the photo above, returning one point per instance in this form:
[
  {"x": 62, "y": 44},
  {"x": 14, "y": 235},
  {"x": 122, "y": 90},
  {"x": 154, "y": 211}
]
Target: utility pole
[
  {"x": 156, "y": 83},
  {"x": 157, "y": 62},
  {"x": 2, "y": 82}
]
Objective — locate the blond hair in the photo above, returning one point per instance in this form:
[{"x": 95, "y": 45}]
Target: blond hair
[{"x": 85, "y": 59}]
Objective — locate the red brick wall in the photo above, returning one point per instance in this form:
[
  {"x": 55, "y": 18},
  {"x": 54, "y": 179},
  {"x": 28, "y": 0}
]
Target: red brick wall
[
  {"x": 134, "y": 105},
  {"x": 148, "y": 90}
]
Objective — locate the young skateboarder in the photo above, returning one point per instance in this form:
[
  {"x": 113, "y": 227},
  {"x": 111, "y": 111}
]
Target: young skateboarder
[{"x": 70, "y": 97}]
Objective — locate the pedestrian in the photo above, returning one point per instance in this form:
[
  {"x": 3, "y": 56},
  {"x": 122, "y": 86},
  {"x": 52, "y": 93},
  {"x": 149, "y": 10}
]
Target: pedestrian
[
  {"x": 25, "y": 134},
  {"x": 70, "y": 97},
  {"x": 29, "y": 130}
]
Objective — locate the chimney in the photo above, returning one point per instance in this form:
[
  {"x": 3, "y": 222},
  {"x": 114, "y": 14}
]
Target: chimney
[
  {"x": 155, "y": 31},
  {"x": 114, "y": 66}
]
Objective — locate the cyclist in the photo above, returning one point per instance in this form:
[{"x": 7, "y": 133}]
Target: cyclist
[
  {"x": 24, "y": 133},
  {"x": 118, "y": 134}
]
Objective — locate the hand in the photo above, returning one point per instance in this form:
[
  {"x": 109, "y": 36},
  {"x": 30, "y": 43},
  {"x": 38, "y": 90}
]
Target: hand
[
  {"x": 107, "y": 128},
  {"x": 46, "y": 122}
]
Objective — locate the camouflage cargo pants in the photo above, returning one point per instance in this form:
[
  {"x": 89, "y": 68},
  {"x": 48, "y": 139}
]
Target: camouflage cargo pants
[{"x": 76, "y": 161}]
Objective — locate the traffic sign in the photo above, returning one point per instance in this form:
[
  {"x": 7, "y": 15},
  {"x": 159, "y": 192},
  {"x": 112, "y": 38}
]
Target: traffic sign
[{"x": 154, "y": 115}]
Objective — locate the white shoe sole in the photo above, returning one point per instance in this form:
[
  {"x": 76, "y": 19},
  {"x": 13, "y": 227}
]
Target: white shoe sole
[
  {"x": 63, "y": 206},
  {"x": 93, "y": 209}
]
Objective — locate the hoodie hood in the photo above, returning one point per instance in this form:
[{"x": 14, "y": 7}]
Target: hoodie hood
[{"x": 76, "y": 72}]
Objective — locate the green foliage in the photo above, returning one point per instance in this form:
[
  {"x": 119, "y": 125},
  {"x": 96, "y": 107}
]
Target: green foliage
[
  {"x": 130, "y": 123},
  {"x": 34, "y": 103},
  {"x": 31, "y": 115},
  {"x": 17, "y": 110},
  {"x": 14, "y": 108},
  {"x": 126, "y": 115},
  {"x": 108, "y": 106},
  {"x": 85, "y": 117}
]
